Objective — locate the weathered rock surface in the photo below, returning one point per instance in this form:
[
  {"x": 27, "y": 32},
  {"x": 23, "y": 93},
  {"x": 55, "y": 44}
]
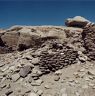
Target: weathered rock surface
[
  {"x": 24, "y": 37},
  {"x": 10, "y": 39}
]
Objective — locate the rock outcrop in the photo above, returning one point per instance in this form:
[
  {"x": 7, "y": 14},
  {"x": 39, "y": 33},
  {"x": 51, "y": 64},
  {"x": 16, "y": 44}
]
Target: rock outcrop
[{"x": 24, "y": 37}]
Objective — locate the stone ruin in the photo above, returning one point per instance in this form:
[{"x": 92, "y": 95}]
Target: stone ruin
[
  {"x": 58, "y": 54},
  {"x": 57, "y": 59}
]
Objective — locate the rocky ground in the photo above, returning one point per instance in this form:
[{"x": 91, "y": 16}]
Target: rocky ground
[{"x": 48, "y": 60}]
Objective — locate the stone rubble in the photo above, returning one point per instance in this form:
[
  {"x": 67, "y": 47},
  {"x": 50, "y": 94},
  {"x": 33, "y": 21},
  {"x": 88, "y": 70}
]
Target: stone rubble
[
  {"x": 48, "y": 60},
  {"x": 24, "y": 71}
]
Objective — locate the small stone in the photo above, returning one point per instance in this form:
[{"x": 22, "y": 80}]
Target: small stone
[
  {"x": 15, "y": 77},
  {"x": 76, "y": 74},
  {"x": 27, "y": 90},
  {"x": 40, "y": 92},
  {"x": 39, "y": 81},
  {"x": 82, "y": 58},
  {"x": 87, "y": 78},
  {"x": 76, "y": 81},
  {"x": 36, "y": 72},
  {"x": 86, "y": 67},
  {"x": 47, "y": 87},
  {"x": 1, "y": 64},
  {"x": 9, "y": 92},
  {"x": 72, "y": 84},
  {"x": 12, "y": 68},
  {"x": 91, "y": 77},
  {"x": 32, "y": 94},
  {"x": 35, "y": 84},
  {"x": 82, "y": 70},
  {"x": 8, "y": 76},
  {"x": 81, "y": 75},
  {"x": 71, "y": 80},
  {"x": 5, "y": 68},
  {"x": 79, "y": 52},
  {"x": 27, "y": 56},
  {"x": 58, "y": 72},
  {"x": 56, "y": 78},
  {"x": 24, "y": 71},
  {"x": 35, "y": 61},
  {"x": 30, "y": 79},
  {"x": 35, "y": 89},
  {"x": 39, "y": 72},
  {"x": 91, "y": 72},
  {"x": 35, "y": 78},
  {"x": 3, "y": 85},
  {"x": 38, "y": 52}
]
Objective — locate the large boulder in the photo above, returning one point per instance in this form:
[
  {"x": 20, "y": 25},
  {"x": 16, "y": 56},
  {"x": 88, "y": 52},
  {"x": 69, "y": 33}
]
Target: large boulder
[
  {"x": 27, "y": 38},
  {"x": 19, "y": 39},
  {"x": 10, "y": 39},
  {"x": 77, "y": 21}
]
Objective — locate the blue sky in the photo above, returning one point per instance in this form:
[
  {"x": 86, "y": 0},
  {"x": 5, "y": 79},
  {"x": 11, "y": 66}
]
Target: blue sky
[{"x": 43, "y": 12}]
